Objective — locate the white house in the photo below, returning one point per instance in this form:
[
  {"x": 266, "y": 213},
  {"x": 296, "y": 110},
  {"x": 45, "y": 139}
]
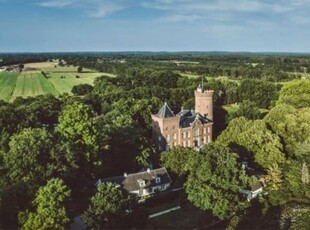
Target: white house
[{"x": 143, "y": 183}]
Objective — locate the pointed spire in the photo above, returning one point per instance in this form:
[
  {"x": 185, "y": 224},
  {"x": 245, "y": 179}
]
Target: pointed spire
[{"x": 165, "y": 112}]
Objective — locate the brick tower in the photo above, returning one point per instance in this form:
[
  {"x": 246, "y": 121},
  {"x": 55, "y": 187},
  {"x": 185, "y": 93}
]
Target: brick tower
[{"x": 204, "y": 102}]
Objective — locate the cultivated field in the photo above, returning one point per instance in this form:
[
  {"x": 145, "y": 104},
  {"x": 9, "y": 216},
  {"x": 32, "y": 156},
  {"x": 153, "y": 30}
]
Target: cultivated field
[
  {"x": 60, "y": 79},
  {"x": 7, "y": 85}
]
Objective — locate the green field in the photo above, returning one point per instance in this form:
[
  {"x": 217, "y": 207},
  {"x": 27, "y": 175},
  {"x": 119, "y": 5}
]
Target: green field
[
  {"x": 7, "y": 85},
  {"x": 32, "y": 83}
]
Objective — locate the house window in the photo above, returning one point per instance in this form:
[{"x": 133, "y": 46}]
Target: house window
[
  {"x": 159, "y": 138},
  {"x": 159, "y": 147},
  {"x": 163, "y": 187},
  {"x": 150, "y": 190},
  {"x": 141, "y": 182},
  {"x": 167, "y": 147},
  {"x": 157, "y": 180}
]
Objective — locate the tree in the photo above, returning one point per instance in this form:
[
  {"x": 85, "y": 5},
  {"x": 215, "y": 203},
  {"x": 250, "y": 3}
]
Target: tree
[
  {"x": 214, "y": 182},
  {"x": 179, "y": 160},
  {"x": 255, "y": 138},
  {"x": 296, "y": 93},
  {"x": 292, "y": 125},
  {"x": 82, "y": 89},
  {"x": 106, "y": 206},
  {"x": 50, "y": 207},
  {"x": 28, "y": 156},
  {"x": 80, "y": 69},
  {"x": 248, "y": 110},
  {"x": 274, "y": 177}
]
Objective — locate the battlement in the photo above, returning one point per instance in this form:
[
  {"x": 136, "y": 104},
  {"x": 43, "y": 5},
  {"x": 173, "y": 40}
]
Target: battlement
[{"x": 204, "y": 93}]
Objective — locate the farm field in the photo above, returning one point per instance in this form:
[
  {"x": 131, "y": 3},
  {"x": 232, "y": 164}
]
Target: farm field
[
  {"x": 32, "y": 84},
  {"x": 7, "y": 84},
  {"x": 60, "y": 80}
]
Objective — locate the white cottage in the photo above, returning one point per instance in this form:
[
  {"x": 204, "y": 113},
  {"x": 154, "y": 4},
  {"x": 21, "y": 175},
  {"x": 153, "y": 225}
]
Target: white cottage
[{"x": 143, "y": 183}]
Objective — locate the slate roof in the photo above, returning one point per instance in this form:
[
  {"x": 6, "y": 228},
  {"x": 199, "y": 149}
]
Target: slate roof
[
  {"x": 256, "y": 186},
  {"x": 130, "y": 182},
  {"x": 187, "y": 118},
  {"x": 165, "y": 112}
]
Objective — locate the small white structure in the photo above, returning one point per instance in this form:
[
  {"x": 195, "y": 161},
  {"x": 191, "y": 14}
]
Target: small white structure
[
  {"x": 254, "y": 191},
  {"x": 143, "y": 183}
]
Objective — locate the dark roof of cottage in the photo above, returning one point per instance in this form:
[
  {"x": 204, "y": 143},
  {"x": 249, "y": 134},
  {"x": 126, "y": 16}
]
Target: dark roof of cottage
[
  {"x": 165, "y": 112},
  {"x": 256, "y": 186},
  {"x": 189, "y": 117},
  {"x": 130, "y": 182}
]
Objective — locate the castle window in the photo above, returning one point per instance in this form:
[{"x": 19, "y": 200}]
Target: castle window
[
  {"x": 196, "y": 132},
  {"x": 159, "y": 138},
  {"x": 174, "y": 136},
  {"x": 183, "y": 135},
  {"x": 204, "y": 130},
  {"x": 168, "y": 138},
  {"x": 174, "y": 144},
  {"x": 189, "y": 143},
  {"x": 209, "y": 138},
  {"x": 209, "y": 129},
  {"x": 188, "y": 134},
  {"x": 167, "y": 147},
  {"x": 184, "y": 143}
]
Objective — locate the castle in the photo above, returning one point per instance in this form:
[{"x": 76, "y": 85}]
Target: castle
[{"x": 188, "y": 128}]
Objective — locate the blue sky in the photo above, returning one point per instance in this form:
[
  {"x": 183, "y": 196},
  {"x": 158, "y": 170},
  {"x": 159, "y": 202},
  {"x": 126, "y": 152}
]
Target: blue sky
[{"x": 154, "y": 25}]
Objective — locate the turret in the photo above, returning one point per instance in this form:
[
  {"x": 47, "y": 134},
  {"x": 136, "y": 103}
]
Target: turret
[{"x": 204, "y": 102}]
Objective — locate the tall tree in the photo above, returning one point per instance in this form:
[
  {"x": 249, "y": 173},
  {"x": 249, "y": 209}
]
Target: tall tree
[
  {"x": 50, "y": 207},
  {"x": 106, "y": 206},
  {"x": 214, "y": 182},
  {"x": 29, "y": 155},
  {"x": 255, "y": 138}
]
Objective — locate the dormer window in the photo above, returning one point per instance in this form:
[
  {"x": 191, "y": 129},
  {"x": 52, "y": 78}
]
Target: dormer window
[
  {"x": 141, "y": 183},
  {"x": 157, "y": 180}
]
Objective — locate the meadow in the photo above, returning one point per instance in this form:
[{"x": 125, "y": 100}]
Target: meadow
[{"x": 60, "y": 79}]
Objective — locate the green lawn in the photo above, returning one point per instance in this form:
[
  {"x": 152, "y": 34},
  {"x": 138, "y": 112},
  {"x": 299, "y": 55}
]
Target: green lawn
[{"x": 7, "y": 84}]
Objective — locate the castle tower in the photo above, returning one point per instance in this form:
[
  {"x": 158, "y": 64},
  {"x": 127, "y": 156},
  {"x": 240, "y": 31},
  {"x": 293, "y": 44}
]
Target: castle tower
[
  {"x": 165, "y": 128},
  {"x": 204, "y": 102}
]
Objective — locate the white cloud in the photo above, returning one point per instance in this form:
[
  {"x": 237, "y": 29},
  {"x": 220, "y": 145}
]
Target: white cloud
[{"x": 56, "y": 3}]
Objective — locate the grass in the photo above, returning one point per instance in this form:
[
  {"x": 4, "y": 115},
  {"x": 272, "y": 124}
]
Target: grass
[
  {"x": 33, "y": 83},
  {"x": 7, "y": 84},
  {"x": 64, "y": 85},
  {"x": 184, "y": 218},
  {"x": 231, "y": 108}
]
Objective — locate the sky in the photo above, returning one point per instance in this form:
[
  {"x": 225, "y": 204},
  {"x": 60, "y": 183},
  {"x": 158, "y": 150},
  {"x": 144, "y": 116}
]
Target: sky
[{"x": 154, "y": 25}]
